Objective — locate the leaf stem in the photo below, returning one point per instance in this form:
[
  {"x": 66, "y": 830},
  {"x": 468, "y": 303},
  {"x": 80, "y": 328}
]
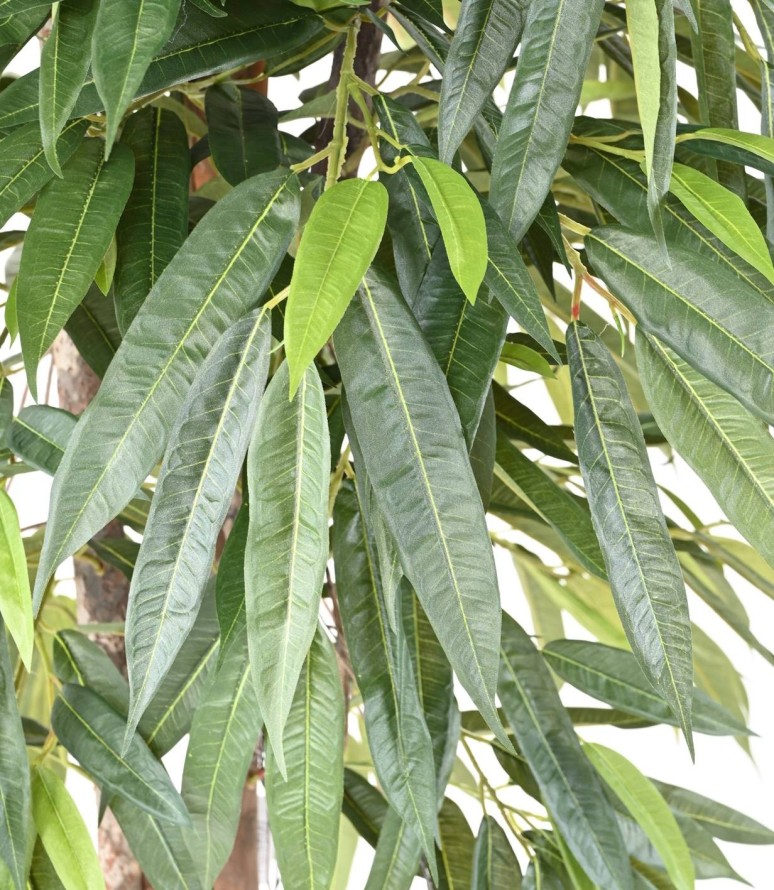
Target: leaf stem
[{"x": 338, "y": 143}]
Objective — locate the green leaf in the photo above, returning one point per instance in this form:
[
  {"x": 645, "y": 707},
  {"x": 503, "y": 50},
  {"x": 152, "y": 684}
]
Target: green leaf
[
  {"x": 641, "y": 562},
  {"x": 396, "y": 858},
  {"x": 649, "y": 809},
  {"x": 566, "y": 514},
  {"x": 364, "y": 806},
  {"x": 304, "y": 808},
  {"x": 242, "y": 131},
  {"x": 64, "y": 64},
  {"x": 495, "y": 866},
  {"x": 39, "y": 436},
  {"x": 126, "y": 37},
  {"x": 92, "y": 732},
  {"x": 719, "y": 820},
  {"x": 25, "y": 169},
  {"x": 65, "y": 837},
  {"x": 15, "y": 598},
  {"x": 555, "y": 48},
  {"x": 220, "y": 272},
  {"x": 483, "y": 45},
  {"x": 520, "y": 422},
  {"x": 154, "y": 223},
  {"x": 71, "y": 229},
  {"x": 684, "y": 300},
  {"x": 416, "y": 460},
  {"x": 724, "y": 214},
  {"x": 16, "y": 825},
  {"x": 199, "y": 46},
  {"x": 465, "y": 338},
  {"x": 455, "y": 848},
  {"x": 461, "y": 221},
  {"x": 545, "y": 735},
  {"x": 93, "y": 329},
  {"x": 338, "y": 244},
  {"x": 288, "y": 473},
  {"x": 395, "y": 725},
  {"x": 200, "y": 470},
  {"x": 78, "y": 660},
  {"x": 730, "y": 450},
  {"x": 760, "y": 146},
  {"x": 614, "y": 677}
]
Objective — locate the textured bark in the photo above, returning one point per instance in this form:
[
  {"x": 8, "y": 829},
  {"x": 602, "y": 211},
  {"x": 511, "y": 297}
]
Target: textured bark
[{"x": 101, "y": 595}]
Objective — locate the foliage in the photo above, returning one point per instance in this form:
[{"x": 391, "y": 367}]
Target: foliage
[{"x": 344, "y": 353}]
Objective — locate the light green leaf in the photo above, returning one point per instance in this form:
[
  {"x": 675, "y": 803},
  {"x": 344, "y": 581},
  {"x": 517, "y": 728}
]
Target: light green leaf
[
  {"x": 395, "y": 725},
  {"x": 338, "y": 244},
  {"x": 415, "y": 456},
  {"x": 15, "y": 829},
  {"x": 683, "y": 300},
  {"x": 648, "y": 808},
  {"x": 207, "y": 447},
  {"x": 127, "y": 35},
  {"x": 570, "y": 789},
  {"x": 461, "y": 221},
  {"x": 288, "y": 473},
  {"x": 93, "y": 733},
  {"x": 15, "y": 597},
  {"x": 304, "y": 809},
  {"x": 64, "y": 64},
  {"x": 71, "y": 229},
  {"x": 220, "y": 272},
  {"x": 724, "y": 214},
  {"x": 555, "y": 48},
  {"x": 761, "y": 146},
  {"x": 641, "y": 562},
  {"x": 484, "y": 42},
  {"x": 65, "y": 837},
  {"x": 154, "y": 223},
  {"x": 731, "y": 450},
  {"x": 495, "y": 866},
  {"x": 613, "y": 676}
]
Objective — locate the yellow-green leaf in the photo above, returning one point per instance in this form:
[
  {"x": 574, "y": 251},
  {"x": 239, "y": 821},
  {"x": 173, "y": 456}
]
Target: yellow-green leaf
[{"x": 15, "y": 596}]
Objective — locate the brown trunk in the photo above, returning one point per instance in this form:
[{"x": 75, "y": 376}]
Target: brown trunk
[{"x": 101, "y": 596}]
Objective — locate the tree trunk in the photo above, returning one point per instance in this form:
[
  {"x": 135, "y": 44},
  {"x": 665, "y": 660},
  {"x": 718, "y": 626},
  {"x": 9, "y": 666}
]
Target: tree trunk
[{"x": 101, "y": 596}]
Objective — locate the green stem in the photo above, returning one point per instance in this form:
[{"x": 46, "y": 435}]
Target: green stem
[{"x": 338, "y": 144}]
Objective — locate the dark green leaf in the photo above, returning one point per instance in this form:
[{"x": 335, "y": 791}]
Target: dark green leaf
[
  {"x": 221, "y": 272},
  {"x": 207, "y": 447},
  {"x": 495, "y": 866},
  {"x": 416, "y": 460},
  {"x": 455, "y": 855},
  {"x": 364, "y": 806},
  {"x": 614, "y": 677},
  {"x": 93, "y": 329},
  {"x": 71, "y": 229},
  {"x": 39, "y": 436},
  {"x": 78, "y": 660},
  {"x": 520, "y": 422},
  {"x": 242, "y": 131},
  {"x": 155, "y": 221},
  {"x": 555, "y": 47},
  {"x": 546, "y": 737}
]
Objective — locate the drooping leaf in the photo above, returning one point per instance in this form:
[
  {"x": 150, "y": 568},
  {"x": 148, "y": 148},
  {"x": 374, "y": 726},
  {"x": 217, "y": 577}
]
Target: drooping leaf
[
  {"x": 221, "y": 272},
  {"x": 64, "y": 63},
  {"x": 416, "y": 460},
  {"x": 613, "y": 676},
  {"x": 155, "y": 221},
  {"x": 242, "y": 132},
  {"x": 555, "y": 48},
  {"x": 731, "y": 450},
  {"x": 520, "y": 422},
  {"x": 483, "y": 45},
  {"x": 80, "y": 661},
  {"x": 64, "y": 836},
  {"x": 304, "y": 808},
  {"x": 207, "y": 447},
  {"x": 364, "y": 806},
  {"x": 14, "y": 777},
  {"x": 396, "y": 858},
  {"x": 15, "y": 597},
  {"x": 288, "y": 472},
  {"x": 461, "y": 221},
  {"x": 724, "y": 214},
  {"x": 545, "y": 736},
  {"x": 94, "y": 330},
  {"x": 641, "y": 562},
  {"x": 495, "y": 866},
  {"x": 455, "y": 848},
  {"x": 649, "y": 809},
  {"x": 127, "y": 35},
  {"x": 684, "y": 299},
  {"x": 39, "y": 436},
  {"x": 338, "y": 244},
  {"x": 93, "y": 733},
  {"x": 72, "y": 226},
  {"x": 397, "y": 733}
]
